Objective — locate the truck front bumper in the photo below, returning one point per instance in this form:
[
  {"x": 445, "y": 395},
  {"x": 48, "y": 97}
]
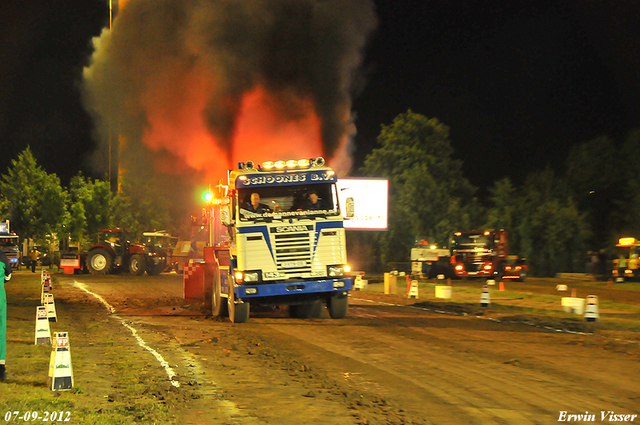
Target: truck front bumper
[{"x": 263, "y": 290}]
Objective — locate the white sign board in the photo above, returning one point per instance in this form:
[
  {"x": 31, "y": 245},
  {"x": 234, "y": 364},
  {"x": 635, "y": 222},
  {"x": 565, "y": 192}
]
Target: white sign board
[{"x": 370, "y": 198}]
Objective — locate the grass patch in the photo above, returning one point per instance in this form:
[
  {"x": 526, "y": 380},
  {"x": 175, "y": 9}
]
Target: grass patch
[{"x": 111, "y": 385}]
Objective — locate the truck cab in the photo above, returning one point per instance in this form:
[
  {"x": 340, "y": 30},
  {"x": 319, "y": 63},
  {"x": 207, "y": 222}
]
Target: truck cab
[
  {"x": 626, "y": 265},
  {"x": 10, "y": 245},
  {"x": 480, "y": 253},
  {"x": 284, "y": 240}
]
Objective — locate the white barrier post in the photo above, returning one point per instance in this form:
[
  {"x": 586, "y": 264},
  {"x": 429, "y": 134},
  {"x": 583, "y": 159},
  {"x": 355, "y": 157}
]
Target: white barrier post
[
  {"x": 43, "y": 332},
  {"x": 51, "y": 308},
  {"x": 485, "y": 299},
  {"x": 413, "y": 290},
  {"x": 591, "y": 310},
  {"x": 60, "y": 369}
]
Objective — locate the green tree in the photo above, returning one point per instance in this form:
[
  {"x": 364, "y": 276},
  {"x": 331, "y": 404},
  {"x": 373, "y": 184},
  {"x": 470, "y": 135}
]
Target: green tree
[
  {"x": 551, "y": 230},
  {"x": 626, "y": 209},
  {"x": 428, "y": 196},
  {"x": 90, "y": 208},
  {"x": 36, "y": 200},
  {"x": 504, "y": 211},
  {"x": 141, "y": 205},
  {"x": 595, "y": 177}
]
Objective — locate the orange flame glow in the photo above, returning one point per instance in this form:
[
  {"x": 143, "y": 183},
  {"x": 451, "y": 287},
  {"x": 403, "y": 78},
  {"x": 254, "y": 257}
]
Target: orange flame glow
[
  {"x": 177, "y": 127},
  {"x": 262, "y": 134}
]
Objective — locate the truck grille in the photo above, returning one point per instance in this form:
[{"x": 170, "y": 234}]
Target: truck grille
[
  {"x": 472, "y": 267},
  {"x": 293, "y": 252}
]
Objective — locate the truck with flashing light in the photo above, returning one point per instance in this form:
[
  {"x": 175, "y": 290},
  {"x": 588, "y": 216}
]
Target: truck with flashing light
[
  {"x": 484, "y": 254},
  {"x": 282, "y": 241},
  {"x": 10, "y": 244},
  {"x": 626, "y": 266}
]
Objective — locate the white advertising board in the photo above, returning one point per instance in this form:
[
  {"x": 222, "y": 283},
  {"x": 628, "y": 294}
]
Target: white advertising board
[{"x": 370, "y": 198}]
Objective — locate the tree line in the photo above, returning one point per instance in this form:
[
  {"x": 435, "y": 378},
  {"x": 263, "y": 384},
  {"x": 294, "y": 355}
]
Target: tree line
[
  {"x": 553, "y": 219},
  {"x": 40, "y": 209}
]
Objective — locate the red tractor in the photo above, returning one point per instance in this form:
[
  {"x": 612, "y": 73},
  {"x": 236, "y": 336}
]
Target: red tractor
[{"x": 115, "y": 251}]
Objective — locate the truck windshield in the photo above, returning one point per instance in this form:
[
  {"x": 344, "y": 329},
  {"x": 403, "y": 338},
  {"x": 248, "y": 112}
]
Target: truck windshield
[
  {"x": 280, "y": 202},
  {"x": 160, "y": 241},
  {"x": 9, "y": 242},
  {"x": 627, "y": 251},
  {"x": 472, "y": 240}
]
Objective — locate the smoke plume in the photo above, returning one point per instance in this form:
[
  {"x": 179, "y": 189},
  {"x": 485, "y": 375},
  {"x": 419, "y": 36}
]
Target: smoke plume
[{"x": 190, "y": 88}]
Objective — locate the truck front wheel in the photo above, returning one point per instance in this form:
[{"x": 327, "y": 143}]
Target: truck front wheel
[
  {"x": 219, "y": 307},
  {"x": 338, "y": 304},
  {"x": 99, "y": 261},
  {"x": 238, "y": 313},
  {"x": 137, "y": 265}
]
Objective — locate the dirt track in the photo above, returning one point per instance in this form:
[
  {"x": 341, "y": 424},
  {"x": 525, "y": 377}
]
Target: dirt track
[{"x": 384, "y": 363}]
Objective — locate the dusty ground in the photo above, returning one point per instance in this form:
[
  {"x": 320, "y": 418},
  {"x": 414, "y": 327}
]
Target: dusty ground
[{"x": 393, "y": 360}]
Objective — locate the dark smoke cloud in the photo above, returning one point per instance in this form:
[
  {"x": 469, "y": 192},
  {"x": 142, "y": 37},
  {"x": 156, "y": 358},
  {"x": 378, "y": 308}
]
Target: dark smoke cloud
[{"x": 303, "y": 49}]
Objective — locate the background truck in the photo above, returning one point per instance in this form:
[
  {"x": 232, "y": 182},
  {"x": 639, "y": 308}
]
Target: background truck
[
  {"x": 115, "y": 251},
  {"x": 291, "y": 252},
  {"x": 430, "y": 262},
  {"x": 625, "y": 265},
  {"x": 485, "y": 254},
  {"x": 10, "y": 244}
]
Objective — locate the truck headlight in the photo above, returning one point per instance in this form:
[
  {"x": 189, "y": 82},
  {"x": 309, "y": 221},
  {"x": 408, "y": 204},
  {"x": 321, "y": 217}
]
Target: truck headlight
[
  {"x": 336, "y": 271},
  {"x": 247, "y": 276}
]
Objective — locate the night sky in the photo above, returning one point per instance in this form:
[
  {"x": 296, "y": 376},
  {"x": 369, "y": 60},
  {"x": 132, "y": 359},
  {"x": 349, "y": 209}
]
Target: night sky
[{"x": 518, "y": 83}]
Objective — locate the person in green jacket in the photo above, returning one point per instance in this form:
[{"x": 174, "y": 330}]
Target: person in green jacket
[{"x": 5, "y": 276}]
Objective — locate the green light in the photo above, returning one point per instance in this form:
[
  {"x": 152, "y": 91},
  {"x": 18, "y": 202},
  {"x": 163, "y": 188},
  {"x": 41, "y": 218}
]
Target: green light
[{"x": 208, "y": 196}]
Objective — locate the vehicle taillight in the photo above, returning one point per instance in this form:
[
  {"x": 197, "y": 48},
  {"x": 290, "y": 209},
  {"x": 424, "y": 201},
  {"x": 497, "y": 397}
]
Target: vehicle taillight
[
  {"x": 487, "y": 267},
  {"x": 459, "y": 267},
  {"x": 518, "y": 268},
  {"x": 507, "y": 268}
]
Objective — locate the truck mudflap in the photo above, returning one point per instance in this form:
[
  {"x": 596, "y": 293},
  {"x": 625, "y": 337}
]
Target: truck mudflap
[{"x": 262, "y": 290}]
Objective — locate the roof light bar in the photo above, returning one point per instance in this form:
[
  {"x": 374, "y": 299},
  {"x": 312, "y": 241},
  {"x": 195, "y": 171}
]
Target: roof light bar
[{"x": 281, "y": 164}]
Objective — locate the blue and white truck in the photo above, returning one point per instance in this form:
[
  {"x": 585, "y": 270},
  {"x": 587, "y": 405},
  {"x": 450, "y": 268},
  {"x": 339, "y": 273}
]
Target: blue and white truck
[{"x": 282, "y": 241}]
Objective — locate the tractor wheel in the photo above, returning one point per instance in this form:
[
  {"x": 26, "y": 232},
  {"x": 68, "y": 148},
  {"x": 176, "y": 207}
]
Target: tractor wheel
[
  {"x": 99, "y": 261},
  {"x": 238, "y": 313},
  {"x": 137, "y": 265},
  {"x": 338, "y": 305}
]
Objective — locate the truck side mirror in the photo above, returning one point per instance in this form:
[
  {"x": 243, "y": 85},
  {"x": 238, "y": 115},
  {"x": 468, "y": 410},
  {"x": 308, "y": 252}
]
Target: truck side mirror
[
  {"x": 225, "y": 215},
  {"x": 350, "y": 206}
]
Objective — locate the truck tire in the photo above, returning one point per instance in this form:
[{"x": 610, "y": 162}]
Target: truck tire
[
  {"x": 156, "y": 269},
  {"x": 338, "y": 304},
  {"x": 99, "y": 261},
  {"x": 137, "y": 265},
  {"x": 312, "y": 310},
  {"x": 238, "y": 313},
  {"x": 219, "y": 307}
]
